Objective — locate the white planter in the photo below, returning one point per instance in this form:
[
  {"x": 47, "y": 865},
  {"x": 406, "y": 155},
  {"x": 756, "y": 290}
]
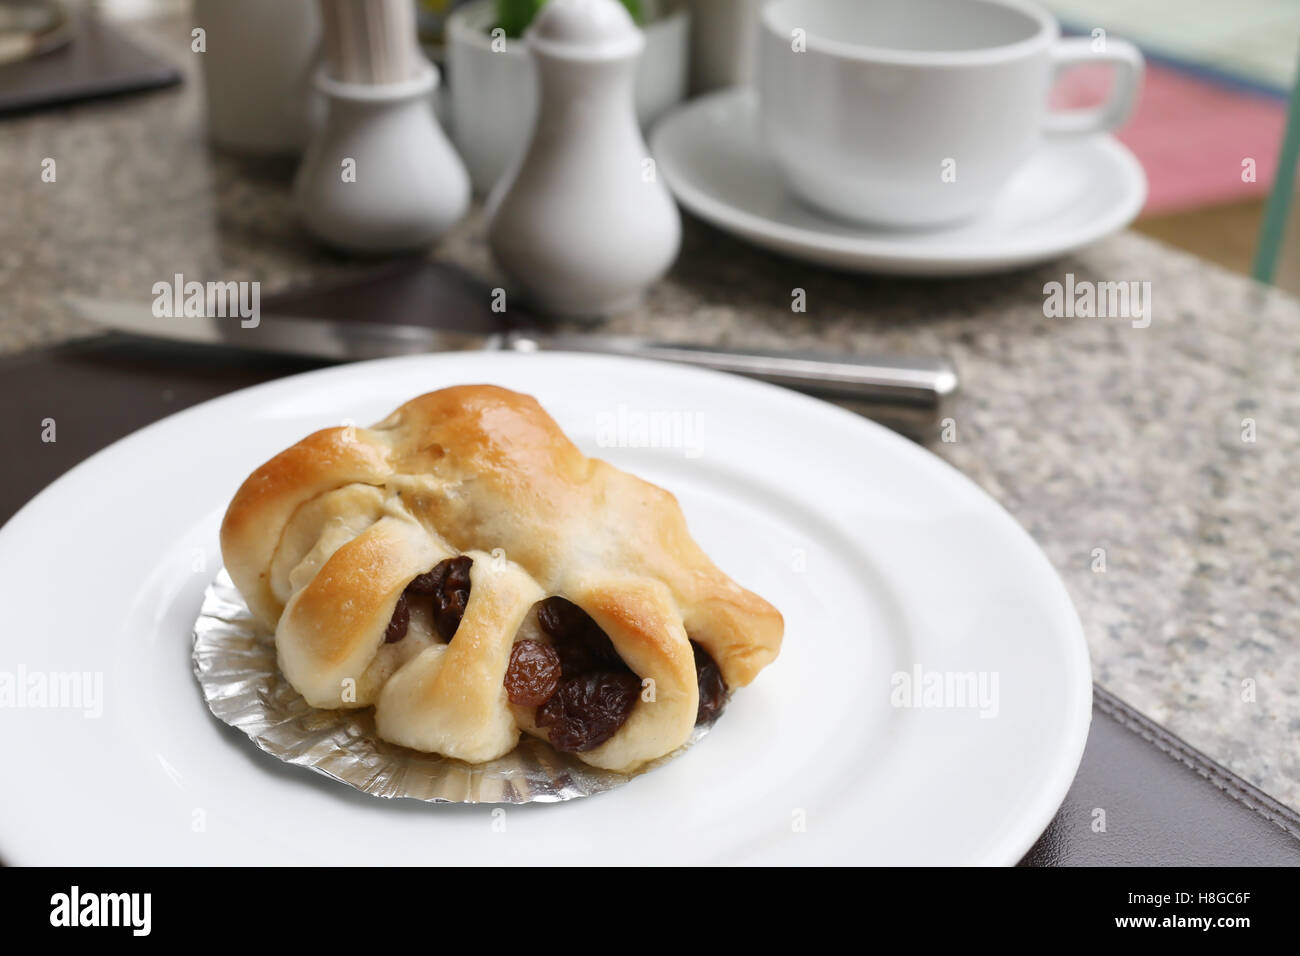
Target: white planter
[{"x": 493, "y": 94}]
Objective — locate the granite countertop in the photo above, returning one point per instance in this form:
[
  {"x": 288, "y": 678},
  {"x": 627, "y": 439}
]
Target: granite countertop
[{"x": 1092, "y": 433}]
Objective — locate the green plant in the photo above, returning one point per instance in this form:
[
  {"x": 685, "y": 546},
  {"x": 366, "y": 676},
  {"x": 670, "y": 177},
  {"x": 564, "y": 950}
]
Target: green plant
[{"x": 513, "y": 16}]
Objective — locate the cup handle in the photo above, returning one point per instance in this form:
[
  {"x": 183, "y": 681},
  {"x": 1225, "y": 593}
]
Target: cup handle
[{"x": 1128, "y": 63}]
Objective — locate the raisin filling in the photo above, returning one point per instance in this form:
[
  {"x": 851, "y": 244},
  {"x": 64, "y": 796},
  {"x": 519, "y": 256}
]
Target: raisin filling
[
  {"x": 581, "y": 644},
  {"x": 533, "y": 675},
  {"x": 400, "y": 621},
  {"x": 713, "y": 689},
  {"x": 594, "y": 690},
  {"x": 589, "y": 709},
  {"x": 448, "y": 582},
  {"x": 582, "y": 689}
]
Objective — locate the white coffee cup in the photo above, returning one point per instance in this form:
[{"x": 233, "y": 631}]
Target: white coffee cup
[{"x": 915, "y": 113}]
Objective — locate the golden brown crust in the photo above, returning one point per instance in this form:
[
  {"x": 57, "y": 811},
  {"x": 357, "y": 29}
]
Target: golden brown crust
[
  {"x": 256, "y": 517},
  {"x": 485, "y": 470}
]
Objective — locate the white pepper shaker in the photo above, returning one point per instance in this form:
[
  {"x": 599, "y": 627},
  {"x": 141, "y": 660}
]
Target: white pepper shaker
[{"x": 583, "y": 225}]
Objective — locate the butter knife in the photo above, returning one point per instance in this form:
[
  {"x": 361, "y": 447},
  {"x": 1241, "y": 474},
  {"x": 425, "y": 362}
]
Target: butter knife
[{"x": 904, "y": 391}]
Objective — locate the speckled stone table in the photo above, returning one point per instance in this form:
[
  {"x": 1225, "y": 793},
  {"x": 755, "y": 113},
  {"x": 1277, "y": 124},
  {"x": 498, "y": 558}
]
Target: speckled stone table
[{"x": 1125, "y": 451}]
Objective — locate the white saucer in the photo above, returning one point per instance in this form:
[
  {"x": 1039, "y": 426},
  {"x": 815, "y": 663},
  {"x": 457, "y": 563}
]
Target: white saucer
[{"x": 1071, "y": 193}]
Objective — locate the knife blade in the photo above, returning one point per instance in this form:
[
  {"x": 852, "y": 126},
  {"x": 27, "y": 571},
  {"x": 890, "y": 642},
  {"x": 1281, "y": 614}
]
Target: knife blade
[{"x": 905, "y": 392}]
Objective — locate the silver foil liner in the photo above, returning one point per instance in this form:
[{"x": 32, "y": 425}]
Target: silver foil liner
[{"x": 234, "y": 661}]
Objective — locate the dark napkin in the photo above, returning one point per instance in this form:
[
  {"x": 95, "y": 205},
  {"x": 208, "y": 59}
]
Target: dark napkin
[{"x": 99, "y": 61}]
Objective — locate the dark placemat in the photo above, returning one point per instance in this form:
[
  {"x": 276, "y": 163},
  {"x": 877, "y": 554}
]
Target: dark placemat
[
  {"x": 99, "y": 61},
  {"x": 99, "y": 390},
  {"x": 1143, "y": 797}
]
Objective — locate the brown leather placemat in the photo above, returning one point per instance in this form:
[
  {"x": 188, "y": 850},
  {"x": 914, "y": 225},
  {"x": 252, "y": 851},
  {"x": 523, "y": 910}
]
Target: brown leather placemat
[{"x": 1161, "y": 803}]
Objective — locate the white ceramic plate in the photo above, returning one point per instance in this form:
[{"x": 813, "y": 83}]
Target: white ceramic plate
[
  {"x": 882, "y": 558},
  {"x": 1070, "y": 193}
]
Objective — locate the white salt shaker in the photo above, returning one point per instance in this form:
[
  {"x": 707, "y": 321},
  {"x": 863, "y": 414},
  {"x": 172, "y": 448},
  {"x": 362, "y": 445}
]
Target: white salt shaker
[
  {"x": 380, "y": 176},
  {"x": 583, "y": 225}
]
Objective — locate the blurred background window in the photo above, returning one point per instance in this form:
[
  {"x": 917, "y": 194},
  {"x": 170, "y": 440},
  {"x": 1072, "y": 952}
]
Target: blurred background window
[{"x": 1211, "y": 124}]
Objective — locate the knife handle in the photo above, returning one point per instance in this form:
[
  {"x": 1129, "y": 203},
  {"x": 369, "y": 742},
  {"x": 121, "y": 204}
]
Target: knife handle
[{"x": 913, "y": 387}]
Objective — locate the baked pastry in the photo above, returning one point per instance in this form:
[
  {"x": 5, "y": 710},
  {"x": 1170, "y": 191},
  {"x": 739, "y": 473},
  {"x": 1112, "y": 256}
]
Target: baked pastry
[{"x": 466, "y": 570}]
